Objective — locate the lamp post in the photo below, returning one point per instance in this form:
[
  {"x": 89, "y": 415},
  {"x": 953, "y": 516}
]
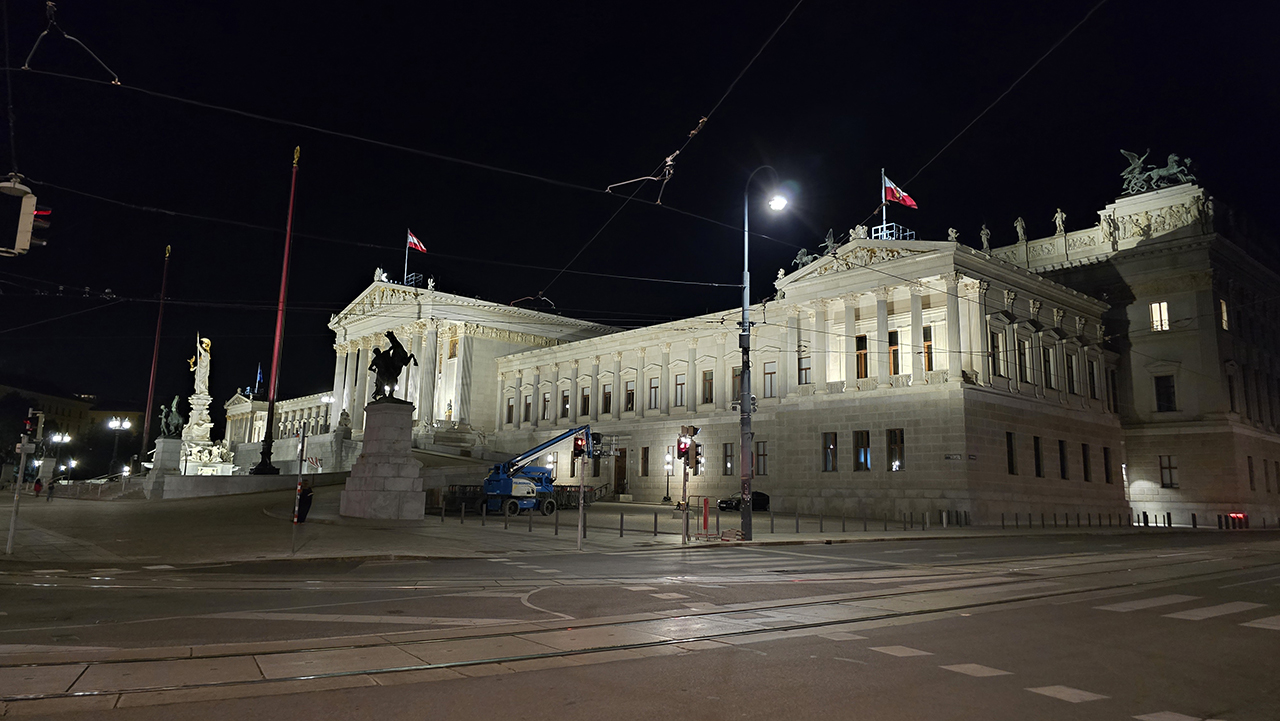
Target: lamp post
[
  {"x": 71, "y": 464},
  {"x": 117, "y": 425},
  {"x": 667, "y": 498},
  {"x": 61, "y": 439},
  {"x": 776, "y": 203}
]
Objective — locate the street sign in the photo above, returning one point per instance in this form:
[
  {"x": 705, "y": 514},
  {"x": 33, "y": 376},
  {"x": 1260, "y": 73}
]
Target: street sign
[{"x": 25, "y": 448}]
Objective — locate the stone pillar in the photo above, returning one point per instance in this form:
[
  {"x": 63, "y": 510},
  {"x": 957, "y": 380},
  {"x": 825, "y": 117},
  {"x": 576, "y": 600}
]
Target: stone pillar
[
  {"x": 339, "y": 375},
  {"x": 427, "y": 374},
  {"x": 850, "y": 342},
  {"x": 720, "y": 384},
  {"x": 535, "y": 396},
  {"x": 664, "y": 382},
  {"x": 984, "y": 334},
  {"x": 917, "y": 332},
  {"x": 595, "y": 389},
  {"x": 575, "y": 403},
  {"x": 642, "y": 384},
  {"x": 518, "y": 414},
  {"x": 788, "y": 384},
  {"x": 385, "y": 482},
  {"x": 693, "y": 386},
  {"x": 555, "y": 395},
  {"x": 462, "y": 409},
  {"x": 804, "y": 343},
  {"x": 414, "y": 373},
  {"x": 821, "y": 342},
  {"x": 954, "y": 354},
  {"x": 361, "y": 397},
  {"x": 498, "y": 417},
  {"x": 882, "y": 335},
  {"x": 618, "y": 390}
]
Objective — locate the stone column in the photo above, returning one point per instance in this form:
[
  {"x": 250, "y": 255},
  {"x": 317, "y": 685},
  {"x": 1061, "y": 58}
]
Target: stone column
[
  {"x": 595, "y": 389},
  {"x": 361, "y": 397},
  {"x": 984, "y": 334},
  {"x": 519, "y": 411},
  {"x": 954, "y": 355},
  {"x": 664, "y": 382},
  {"x": 536, "y": 397},
  {"x": 693, "y": 386},
  {"x": 575, "y": 403},
  {"x": 339, "y": 375},
  {"x": 499, "y": 417},
  {"x": 427, "y": 374},
  {"x": 820, "y": 345},
  {"x": 882, "y": 335},
  {"x": 414, "y": 373},
  {"x": 917, "y": 290},
  {"x": 723, "y": 385},
  {"x": 462, "y": 409},
  {"x": 555, "y": 395},
  {"x": 790, "y": 354},
  {"x": 642, "y": 384},
  {"x": 616, "y": 403},
  {"x": 850, "y": 342}
]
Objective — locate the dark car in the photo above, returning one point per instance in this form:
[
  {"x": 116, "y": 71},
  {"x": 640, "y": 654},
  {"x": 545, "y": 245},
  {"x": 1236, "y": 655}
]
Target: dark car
[{"x": 759, "y": 502}]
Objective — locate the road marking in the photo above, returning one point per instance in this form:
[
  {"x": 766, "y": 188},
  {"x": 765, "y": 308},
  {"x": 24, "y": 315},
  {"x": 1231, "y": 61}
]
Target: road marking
[
  {"x": 161, "y": 567},
  {"x": 1270, "y": 622},
  {"x": 1246, "y": 583},
  {"x": 850, "y": 660},
  {"x": 900, "y": 651},
  {"x": 640, "y": 588},
  {"x": 668, "y": 596},
  {"x": 1146, "y": 603},
  {"x": 51, "y": 570},
  {"x": 105, "y": 570},
  {"x": 1166, "y": 716},
  {"x": 1066, "y": 693},
  {"x": 1199, "y": 614},
  {"x": 550, "y": 570},
  {"x": 975, "y": 669},
  {"x": 903, "y": 550},
  {"x": 842, "y": 636},
  {"x": 360, "y": 618}
]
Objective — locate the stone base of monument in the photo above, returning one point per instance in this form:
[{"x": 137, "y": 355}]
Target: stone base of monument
[{"x": 385, "y": 480}]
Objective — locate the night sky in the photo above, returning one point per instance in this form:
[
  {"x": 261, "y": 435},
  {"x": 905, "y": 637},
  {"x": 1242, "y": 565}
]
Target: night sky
[{"x": 588, "y": 94}]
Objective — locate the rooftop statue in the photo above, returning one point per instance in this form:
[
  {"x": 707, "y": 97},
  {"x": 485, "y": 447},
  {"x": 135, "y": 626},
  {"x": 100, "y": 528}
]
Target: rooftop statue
[
  {"x": 1138, "y": 179},
  {"x": 953, "y": 235},
  {"x": 986, "y": 238},
  {"x": 803, "y": 258},
  {"x": 829, "y": 245},
  {"x": 1020, "y": 226},
  {"x": 1060, "y": 222},
  {"x": 387, "y": 366}
]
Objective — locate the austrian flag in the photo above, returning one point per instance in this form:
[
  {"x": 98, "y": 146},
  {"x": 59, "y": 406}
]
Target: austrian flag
[
  {"x": 418, "y": 246},
  {"x": 894, "y": 193}
]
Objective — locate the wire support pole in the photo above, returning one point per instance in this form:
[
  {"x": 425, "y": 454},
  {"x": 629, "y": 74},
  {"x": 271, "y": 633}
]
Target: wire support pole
[
  {"x": 155, "y": 360},
  {"x": 745, "y": 468},
  {"x": 264, "y": 466}
]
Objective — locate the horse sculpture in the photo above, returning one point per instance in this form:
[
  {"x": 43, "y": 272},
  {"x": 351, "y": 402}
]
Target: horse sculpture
[{"x": 387, "y": 366}]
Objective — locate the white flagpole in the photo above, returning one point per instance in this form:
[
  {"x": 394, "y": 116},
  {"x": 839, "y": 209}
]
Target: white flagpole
[
  {"x": 884, "y": 211},
  {"x": 405, "y": 277}
]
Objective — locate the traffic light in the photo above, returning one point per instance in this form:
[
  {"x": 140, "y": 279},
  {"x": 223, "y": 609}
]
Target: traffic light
[
  {"x": 698, "y": 453},
  {"x": 579, "y": 446},
  {"x": 29, "y": 216},
  {"x": 33, "y": 424},
  {"x": 682, "y": 448},
  {"x": 42, "y": 218}
]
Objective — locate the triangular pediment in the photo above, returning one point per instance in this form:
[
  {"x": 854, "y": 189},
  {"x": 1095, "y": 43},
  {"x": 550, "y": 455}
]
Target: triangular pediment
[{"x": 857, "y": 253}]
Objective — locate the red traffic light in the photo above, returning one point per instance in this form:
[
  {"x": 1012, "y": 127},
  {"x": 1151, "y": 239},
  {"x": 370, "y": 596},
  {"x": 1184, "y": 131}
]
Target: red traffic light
[{"x": 579, "y": 446}]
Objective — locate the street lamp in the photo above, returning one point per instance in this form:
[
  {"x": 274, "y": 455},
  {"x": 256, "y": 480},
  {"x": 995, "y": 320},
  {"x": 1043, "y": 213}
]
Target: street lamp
[
  {"x": 61, "y": 439},
  {"x": 776, "y": 203},
  {"x": 667, "y": 498},
  {"x": 117, "y": 425},
  {"x": 71, "y": 464}
]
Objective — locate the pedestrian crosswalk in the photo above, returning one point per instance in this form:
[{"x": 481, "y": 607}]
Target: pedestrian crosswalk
[{"x": 1197, "y": 612}]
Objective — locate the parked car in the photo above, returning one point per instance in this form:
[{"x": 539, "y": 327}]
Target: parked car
[{"x": 759, "y": 502}]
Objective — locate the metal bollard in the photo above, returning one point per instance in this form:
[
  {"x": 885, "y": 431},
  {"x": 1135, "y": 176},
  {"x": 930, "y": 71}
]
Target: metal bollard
[
  {"x": 842, "y": 529},
  {"x": 655, "y": 523},
  {"x": 530, "y": 520},
  {"x": 621, "y": 523},
  {"x": 1016, "y": 522},
  {"x": 1077, "y": 519},
  {"x": 1055, "y": 520},
  {"x": 1193, "y": 521},
  {"x": 717, "y": 520},
  {"x": 1168, "y": 519},
  {"x": 904, "y": 521},
  {"x": 557, "y": 522},
  {"x": 462, "y": 513},
  {"x": 1130, "y": 518},
  {"x": 442, "y": 509},
  {"x": 1042, "y": 521},
  {"x": 819, "y": 522},
  {"x": 1145, "y": 521},
  {"x": 770, "y": 520},
  {"x": 505, "y": 516},
  {"x": 484, "y": 508},
  {"x": 886, "y": 520},
  {"x": 797, "y": 520}
]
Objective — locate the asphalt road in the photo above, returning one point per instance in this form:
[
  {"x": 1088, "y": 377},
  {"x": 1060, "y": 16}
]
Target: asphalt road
[{"x": 1049, "y": 627}]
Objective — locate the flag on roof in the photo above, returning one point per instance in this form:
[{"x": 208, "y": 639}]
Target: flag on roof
[
  {"x": 416, "y": 244},
  {"x": 894, "y": 193}
]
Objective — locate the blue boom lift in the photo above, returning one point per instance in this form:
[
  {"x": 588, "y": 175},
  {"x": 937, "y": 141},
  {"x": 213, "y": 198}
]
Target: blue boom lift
[{"x": 515, "y": 485}]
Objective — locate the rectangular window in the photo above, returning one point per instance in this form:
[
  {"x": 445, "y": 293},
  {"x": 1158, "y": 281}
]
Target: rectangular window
[
  {"x": 1222, "y": 312},
  {"x": 564, "y": 404},
  {"x": 726, "y": 468},
  {"x": 629, "y": 396},
  {"x": 644, "y": 460},
  {"x": 771, "y": 379},
  {"x": 804, "y": 375},
  {"x": 680, "y": 389},
  {"x": 1112, "y": 385},
  {"x": 1168, "y": 471},
  {"x": 546, "y": 405},
  {"x": 528, "y": 407},
  {"x": 862, "y": 450},
  {"x": 1160, "y": 316},
  {"x": 1024, "y": 360},
  {"x": 1062, "y": 460},
  {"x": 1011, "y": 453},
  {"x": 860, "y": 348},
  {"x": 595, "y": 467},
  {"x": 1106, "y": 465},
  {"x": 1253, "y": 485},
  {"x": 762, "y": 458},
  {"x": 1084, "y": 459},
  {"x": 828, "y": 452},
  {"x": 895, "y": 362},
  {"x": 584, "y": 406},
  {"x": 453, "y": 347},
  {"x": 1071, "y": 374},
  {"x": 996, "y": 349},
  {"x": 708, "y": 386},
  {"x": 511, "y": 410},
  {"x": 1093, "y": 379},
  {"x": 606, "y": 398},
  {"x": 654, "y": 395},
  {"x": 896, "y": 447},
  {"x": 1166, "y": 398},
  {"x": 1046, "y": 367},
  {"x": 737, "y": 382},
  {"x": 1039, "y": 456},
  {"x": 928, "y": 347}
]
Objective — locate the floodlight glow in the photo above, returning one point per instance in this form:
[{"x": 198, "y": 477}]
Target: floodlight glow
[{"x": 777, "y": 202}]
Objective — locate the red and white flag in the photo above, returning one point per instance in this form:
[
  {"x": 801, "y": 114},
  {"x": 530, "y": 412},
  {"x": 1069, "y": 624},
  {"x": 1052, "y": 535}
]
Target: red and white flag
[
  {"x": 894, "y": 193},
  {"x": 418, "y": 246}
]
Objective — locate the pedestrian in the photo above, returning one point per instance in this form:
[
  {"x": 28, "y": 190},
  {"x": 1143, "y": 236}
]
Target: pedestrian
[
  {"x": 39, "y": 485},
  {"x": 49, "y": 493},
  {"x": 304, "y": 501}
]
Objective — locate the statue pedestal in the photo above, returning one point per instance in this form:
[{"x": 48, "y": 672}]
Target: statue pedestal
[
  {"x": 197, "y": 429},
  {"x": 168, "y": 456},
  {"x": 385, "y": 481}
]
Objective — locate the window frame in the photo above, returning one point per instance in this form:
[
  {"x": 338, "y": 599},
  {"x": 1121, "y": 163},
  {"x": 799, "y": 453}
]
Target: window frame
[
  {"x": 629, "y": 396},
  {"x": 1037, "y": 449},
  {"x": 926, "y": 333},
  {"x": 1087, "y": 472},
  {"x": 895, "y": 356},
  {"x": 546, "y": 406},
  {"x": 1064, "y": 468},
  {"x": 860, "y": 355},
  {"x": 606, "y": 398},
  {"x": 511, "y": 409},
  {"x": 862, "y": 450},
  {"x": 655, "y": 394},
  {"x": 566, "y": 403},
  {"x": 1165, "y": 402},
  {"x": 708, "y": 386},
  {"x": 895, "y": 449},
  {"x": 1011, "y": 452},
  {"x": 644, "y": 461},
  {"x": 830, "y": 452},
  {"x": 770, "y": 379},
  {"x": 679, "y": 389},
  {"x": 1159, "y": 311},
  {"x": 761, "y": 458},
  {"x": 584, "y": 402},
  {"x": 804, "y": 370},
  {"x": 726, "y": 466},
  {"x": 1168, "y": 471}
]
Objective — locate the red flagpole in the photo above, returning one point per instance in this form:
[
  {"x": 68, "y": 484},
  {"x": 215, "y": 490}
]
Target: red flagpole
[
  {"x": 264, "y": 466},
  {"x": 155, "y": 358}
]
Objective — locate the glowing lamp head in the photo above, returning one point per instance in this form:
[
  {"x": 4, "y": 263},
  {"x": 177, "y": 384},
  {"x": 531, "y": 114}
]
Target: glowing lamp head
[{"x": 777, "y": 203}]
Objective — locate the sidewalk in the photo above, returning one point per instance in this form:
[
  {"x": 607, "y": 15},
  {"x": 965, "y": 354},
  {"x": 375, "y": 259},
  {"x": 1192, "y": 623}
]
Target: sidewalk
[{"x": 257, "y": 527}]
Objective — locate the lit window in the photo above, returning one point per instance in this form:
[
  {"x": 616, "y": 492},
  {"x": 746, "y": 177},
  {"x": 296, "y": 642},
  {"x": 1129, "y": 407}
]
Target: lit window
[
  {"x": 928, "y": 348},
  {"x": 680, "y": 389},
  {"x": 862, "y": 450},
  {"x": 1160, "y": 316},
  {"x": 1222, "y": 311},
  {"x": 1168, "y": 471},
  {"x": 896, "y": 442},
  {"x": 895, "y": 364}
]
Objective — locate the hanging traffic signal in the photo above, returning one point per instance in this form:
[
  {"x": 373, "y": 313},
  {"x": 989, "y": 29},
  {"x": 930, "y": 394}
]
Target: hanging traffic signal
[{"x": 579, "y": 446}]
